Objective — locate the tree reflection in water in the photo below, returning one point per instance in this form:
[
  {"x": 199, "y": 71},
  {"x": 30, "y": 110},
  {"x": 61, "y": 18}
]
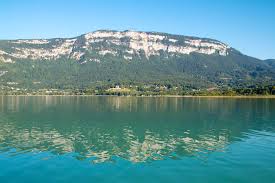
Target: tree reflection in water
[{"x": 135, "y": 129}]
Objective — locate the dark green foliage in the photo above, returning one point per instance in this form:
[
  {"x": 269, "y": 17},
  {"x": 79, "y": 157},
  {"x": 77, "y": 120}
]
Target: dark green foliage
[{"x": 193, "y": 71}]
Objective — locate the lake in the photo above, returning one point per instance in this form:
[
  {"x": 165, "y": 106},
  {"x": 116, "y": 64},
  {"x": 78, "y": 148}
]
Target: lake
[{"x": 136, "y": 139}]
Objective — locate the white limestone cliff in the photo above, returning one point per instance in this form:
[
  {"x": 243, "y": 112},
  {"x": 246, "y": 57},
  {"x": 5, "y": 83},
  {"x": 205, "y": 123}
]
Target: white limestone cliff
[{"x": 151, "y": 44}]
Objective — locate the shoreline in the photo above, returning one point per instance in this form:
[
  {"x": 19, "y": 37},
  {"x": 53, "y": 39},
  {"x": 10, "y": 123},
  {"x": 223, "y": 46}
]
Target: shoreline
[{"x": 157, "y": 96}]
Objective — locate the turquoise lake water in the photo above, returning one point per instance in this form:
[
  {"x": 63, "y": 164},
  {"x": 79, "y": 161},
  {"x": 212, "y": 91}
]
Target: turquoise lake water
[{"x": 132, "y": 139}]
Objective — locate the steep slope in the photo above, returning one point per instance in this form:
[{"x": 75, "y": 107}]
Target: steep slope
[
  {"x": 129, "y": 57},
  {"x": 126, "y": 44},
  {"x": 270, "y": 62}
]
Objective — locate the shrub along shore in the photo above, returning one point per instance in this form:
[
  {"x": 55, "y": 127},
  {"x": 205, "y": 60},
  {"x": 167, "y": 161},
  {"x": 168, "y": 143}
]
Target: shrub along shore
[{"x": 152, "y": 90}]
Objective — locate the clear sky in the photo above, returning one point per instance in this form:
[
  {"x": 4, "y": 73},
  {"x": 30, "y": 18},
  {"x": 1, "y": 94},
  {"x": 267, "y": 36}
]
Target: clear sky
[{"x": 247, "y": 25}]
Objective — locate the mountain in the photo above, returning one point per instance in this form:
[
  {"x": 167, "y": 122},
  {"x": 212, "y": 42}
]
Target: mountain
[
  {"x": 270, "y": 62},
  {"x": 107, "y": 57}
]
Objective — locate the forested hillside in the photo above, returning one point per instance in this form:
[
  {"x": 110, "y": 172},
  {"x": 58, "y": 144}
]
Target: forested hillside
[{"x": 105, "y": 59}]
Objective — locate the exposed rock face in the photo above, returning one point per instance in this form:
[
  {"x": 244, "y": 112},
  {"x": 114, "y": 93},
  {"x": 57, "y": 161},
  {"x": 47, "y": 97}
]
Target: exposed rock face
[{"x": 126, "y": 44}]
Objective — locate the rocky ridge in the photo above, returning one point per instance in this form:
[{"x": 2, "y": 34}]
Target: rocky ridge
[{"x": 127, "y": 44}]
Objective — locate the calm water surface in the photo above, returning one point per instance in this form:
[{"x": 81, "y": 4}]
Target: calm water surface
[{"x": 128, "y": 139}]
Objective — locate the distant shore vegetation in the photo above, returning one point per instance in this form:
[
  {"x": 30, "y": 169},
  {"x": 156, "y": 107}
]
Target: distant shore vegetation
[{"x": 145, "y": 90}]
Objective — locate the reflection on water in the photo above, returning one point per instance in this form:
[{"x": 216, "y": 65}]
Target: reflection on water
[{"x": 135, "y": 129}]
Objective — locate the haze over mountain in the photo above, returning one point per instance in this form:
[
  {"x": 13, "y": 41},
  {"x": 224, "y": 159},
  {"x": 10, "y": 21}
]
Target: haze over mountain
[{"x": 128, "y": 57}]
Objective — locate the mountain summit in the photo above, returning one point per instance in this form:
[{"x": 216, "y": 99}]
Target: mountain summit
[
  {"x": 126, "y": 44},
  {"x": 128, "y": 57}
]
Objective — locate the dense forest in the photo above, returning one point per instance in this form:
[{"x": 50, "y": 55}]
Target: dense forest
[{"x": 175, "y": 76}]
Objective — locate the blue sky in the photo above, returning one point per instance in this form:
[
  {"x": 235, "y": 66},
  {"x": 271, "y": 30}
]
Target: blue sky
[{"x": 247, "y": 25}]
